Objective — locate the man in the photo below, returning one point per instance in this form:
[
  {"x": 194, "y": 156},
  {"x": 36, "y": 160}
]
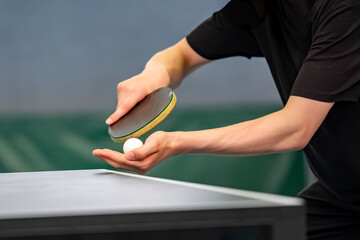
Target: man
[{"x": 313, "y": 51}]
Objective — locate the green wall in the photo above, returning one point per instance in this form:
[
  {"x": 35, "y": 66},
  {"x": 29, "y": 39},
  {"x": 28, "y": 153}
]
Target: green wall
[{"x": 30, "y": 142}]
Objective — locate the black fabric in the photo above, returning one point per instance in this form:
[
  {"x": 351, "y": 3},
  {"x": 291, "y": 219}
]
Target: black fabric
[
  {"x": 327, "y": 220},
  {"x": 334, "y": 55},
  {"x": 217, "y": 33},
  {"x": 313, "y": 51}
]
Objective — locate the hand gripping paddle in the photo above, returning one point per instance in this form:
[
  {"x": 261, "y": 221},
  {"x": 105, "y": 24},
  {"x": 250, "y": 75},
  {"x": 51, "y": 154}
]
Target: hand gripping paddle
[{"x": 144, "y": 116}]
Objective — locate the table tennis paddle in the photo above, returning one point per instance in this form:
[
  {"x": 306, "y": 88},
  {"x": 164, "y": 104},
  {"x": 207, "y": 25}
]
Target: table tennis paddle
[{"x": 144, "y": 116}]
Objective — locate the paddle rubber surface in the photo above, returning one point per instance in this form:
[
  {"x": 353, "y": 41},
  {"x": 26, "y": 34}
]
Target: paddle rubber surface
[{"x": 144, "y": 116}]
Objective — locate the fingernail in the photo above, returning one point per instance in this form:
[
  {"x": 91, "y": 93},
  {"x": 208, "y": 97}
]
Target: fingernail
[
  {"x": 130, "y": 156},
  {"x": 108, "y": 121}
]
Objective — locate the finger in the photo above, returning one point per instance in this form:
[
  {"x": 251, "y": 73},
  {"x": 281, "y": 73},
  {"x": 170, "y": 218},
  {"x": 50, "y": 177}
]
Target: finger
[
  {"x": 147, "y": 164},
  {"x": 115, "y": 116},
  {"x": 124, "y": 106},
  {"x": 120, "y": 166},
  {"x": 141, "y": 152},
  {"x": 111, "y": 162},
  {"x": 133, "y": 166},
  {"x": 102, "y": 154},
  {"x": 110, "y": 154},
  {"x": 128, "y": 97},
  {"x": 120, "y": 111}
]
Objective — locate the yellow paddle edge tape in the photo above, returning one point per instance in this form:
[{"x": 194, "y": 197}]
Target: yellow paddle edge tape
[{"x": 158, "y": 119}]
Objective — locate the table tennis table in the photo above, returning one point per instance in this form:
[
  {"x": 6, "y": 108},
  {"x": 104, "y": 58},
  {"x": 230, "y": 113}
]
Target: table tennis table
[{"x": 106, "y": 204}]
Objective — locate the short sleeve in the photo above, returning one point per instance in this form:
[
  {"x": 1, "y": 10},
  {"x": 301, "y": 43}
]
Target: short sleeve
[
  {"x": 227, "y": 32},
  {"x": 331, "y": 70}
]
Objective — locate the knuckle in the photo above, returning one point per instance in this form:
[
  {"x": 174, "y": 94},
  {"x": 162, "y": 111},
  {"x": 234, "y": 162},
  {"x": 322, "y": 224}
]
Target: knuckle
[
  {"x": 160, "y": 134},
  {"x": 120, "y": 85}
]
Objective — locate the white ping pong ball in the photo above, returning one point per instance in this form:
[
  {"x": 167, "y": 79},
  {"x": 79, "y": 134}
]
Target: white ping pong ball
[{"x": 131, "y": 144}]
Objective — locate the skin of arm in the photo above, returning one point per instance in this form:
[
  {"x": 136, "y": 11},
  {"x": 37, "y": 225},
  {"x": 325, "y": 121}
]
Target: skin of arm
[
  {"x": 165, "y": 68},
  {"x": 288, "y": 129}
]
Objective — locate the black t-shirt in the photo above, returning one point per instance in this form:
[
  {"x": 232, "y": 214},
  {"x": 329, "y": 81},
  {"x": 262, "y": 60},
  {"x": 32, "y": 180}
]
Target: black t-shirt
[{"x": 313, "y": 51}]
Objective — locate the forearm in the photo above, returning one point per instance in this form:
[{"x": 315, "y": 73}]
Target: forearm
[
  {"x": 260, "y": 136},
  {"x": 286, "y": 130}
]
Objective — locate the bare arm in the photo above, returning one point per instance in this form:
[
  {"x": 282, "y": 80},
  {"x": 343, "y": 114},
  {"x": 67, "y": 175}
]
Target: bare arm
[
  {"x": 176, "y": 61},
  {"x": 288, "y": 129},
  {"x": 165, "y": 68}
]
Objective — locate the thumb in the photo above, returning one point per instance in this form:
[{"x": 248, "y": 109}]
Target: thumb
[
  {"x": 115, "y": 116},
  {"x": 141, "y": 153}
]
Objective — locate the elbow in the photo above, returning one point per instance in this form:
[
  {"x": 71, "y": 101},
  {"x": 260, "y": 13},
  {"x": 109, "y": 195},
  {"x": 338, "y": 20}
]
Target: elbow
[
  {"x": 301, "y": 140},
  {"x": 300, "y": 145}
]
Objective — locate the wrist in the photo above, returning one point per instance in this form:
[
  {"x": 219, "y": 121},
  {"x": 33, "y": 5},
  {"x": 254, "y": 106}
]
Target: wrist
[
  {"x": 177, "y": 143},
  {"x": 157, "y": 71}
]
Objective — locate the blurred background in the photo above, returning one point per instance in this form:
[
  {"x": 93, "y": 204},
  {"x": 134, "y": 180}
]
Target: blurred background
[{"x": 60, "y": 62}]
